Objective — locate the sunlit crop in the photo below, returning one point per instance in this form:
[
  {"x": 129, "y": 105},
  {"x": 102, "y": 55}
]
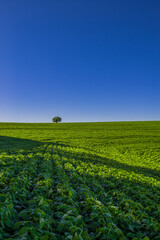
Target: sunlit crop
[{"x": 80, "y": 181}]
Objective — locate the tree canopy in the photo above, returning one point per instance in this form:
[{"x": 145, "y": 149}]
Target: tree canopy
[{"x": 56, "y": 119}]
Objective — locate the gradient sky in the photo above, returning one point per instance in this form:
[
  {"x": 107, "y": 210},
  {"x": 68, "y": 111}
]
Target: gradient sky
[{"x": 83, "y": 60}]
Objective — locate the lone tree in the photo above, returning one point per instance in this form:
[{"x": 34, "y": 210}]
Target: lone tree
[{"x": 56, "y": 119}]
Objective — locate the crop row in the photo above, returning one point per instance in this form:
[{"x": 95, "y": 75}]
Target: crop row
[
  {"x": 63, "y": 193},
  {"x": 134, "y": 210}
]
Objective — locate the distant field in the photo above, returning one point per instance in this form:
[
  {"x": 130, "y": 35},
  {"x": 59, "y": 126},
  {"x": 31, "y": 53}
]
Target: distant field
[{"x": 80, "y": 181}]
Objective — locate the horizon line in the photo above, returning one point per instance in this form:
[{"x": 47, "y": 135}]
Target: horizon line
[{"x": 88, "y": 121}]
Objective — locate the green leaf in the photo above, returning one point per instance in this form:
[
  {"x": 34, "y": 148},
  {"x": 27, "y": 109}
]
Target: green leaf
[
  {"x": 42, "y": 221},
  {"x": 131, "y": 228},
  {"x": 45, "y": 237},
  {"x": 23, "y": 231},
  {"x": 9, "y": 223},
  {"x": 73, "y": 229},
  {"x": 85, "y": 235},
  {"x": 79, "y": 221},
  {"x": 119, "y": 233},
  {"x": 41, "y": 201}
]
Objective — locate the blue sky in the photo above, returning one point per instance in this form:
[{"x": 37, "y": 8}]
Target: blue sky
[{"x": 84, "y": 60}]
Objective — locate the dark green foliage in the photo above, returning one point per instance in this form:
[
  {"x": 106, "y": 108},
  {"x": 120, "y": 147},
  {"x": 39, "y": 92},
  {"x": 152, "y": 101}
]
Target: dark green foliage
[{"x": 56, "y": 119}]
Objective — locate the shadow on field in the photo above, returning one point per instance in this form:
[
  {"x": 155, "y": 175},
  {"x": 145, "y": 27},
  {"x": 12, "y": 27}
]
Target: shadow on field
[
  {"x": 95, "y": 158},
  {"x": 120, "y": 193},
  {"x": 12, "y": 143}
]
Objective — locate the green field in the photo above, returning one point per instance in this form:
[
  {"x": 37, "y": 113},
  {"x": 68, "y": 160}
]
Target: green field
[{"x": 80, "y": 181}]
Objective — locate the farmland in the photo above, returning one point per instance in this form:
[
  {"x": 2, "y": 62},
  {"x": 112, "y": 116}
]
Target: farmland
[{"x": 80, "y": 181}]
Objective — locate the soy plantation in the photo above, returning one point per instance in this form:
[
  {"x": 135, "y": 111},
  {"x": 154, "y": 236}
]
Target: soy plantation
[{"x": 80, "y": 181}]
